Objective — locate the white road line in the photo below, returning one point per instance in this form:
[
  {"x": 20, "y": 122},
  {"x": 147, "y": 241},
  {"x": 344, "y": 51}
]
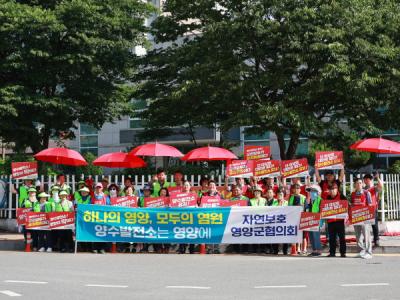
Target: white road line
[
  {"x": 364, "y": 284},
  {"x": 25, "y": 281},
  {"x": 107, "y": 286},
  {"x": 280, "y": 286},
  {"x": 187, "y": 287},
  {"x": 10, "y": 293}
]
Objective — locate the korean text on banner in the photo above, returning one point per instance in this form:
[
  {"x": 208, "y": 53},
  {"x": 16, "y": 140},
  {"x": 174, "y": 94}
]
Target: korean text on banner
[
  {"x": 210, "y": 201},
  {"x": 309, "y": 221},
  {"x": 362, "y": 215},
  {"x": 256, "y": 152},
  {"x": 267, "y": 168},
  {"x": 156, "y": 202},
  {"x": 294, "y": 168},
  {"x": 128, "y": 201},
  {"x": 183, "y": 200},
  {"x": 21, "y": 215},
  {"x": 61, "y": 220},
  {"x": 234, "y": 225},
  {"x": 24, "y": 170},
  {"x": 334, "y": 209},
  {"x": 37, "y": 221},
  {"x": 234, "y": 203},
  {"x": 331, "y": 160},
  {"x": 240, "y": 168}
]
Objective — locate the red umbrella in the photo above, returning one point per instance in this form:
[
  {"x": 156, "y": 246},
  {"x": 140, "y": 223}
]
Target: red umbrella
[
  {"x": 61, "y": 156},
  {"x": 156, "y": 149},
  {"x": 377, "y": 145},
  {"x": 209, "y": 153},
  {"x": 119, "y": 160}
]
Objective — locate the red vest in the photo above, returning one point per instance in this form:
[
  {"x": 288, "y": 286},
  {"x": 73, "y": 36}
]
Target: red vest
[
  {"x": 374, "y": 196},
  {"x": 102, "y": 201},
  {"x": 337, "y": 197},
  {"x": 358, "y": 200}
]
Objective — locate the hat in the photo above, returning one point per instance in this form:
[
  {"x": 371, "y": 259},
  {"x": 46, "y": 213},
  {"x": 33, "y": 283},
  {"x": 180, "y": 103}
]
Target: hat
[
  {"x": 84, "y": 189},
  {"x": 98, "y": 185},
  {"x": 32, "y": 190},
  {"x": 147, "y": 188},
  {"x": 43, "y": 195},
  {"x": 55, "y": 187},
  {"x": 62, "y": 193},
  {"x": 314, "y": 187},
  {"x": 257, "y": 188},
  {"x": 81, "y": 182}
]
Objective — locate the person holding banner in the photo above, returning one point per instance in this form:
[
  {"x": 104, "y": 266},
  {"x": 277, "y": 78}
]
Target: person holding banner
[
  {"x": 23, "y": 191},
  {"x": 280, "y": 201},
  {"x": 44, "y": 236},
  {"x": 203, "y": 187},
  {"x": 329, "y": 180},
  {"x": 267, "y": 184},
  {"x": 237, "y": 194},
  {"x": 298, "y": 199},
  {"x": 77, "y": 193},
  {"x": 336, "y": 227},
  {"x": 30, "y": 202},
  {"x": 182, "y": 247},
  {"x": 161, "y": 182},
  {"x": 84, "y": 196},
  {"x": 99, "y": 198},
  {"x": 65, "y": 235},
  {"x": 258, "y": 201},
  {"x": 178, "y": 178},
  {"x": 127, "y": 183},
  {"x": 374, "y": 191},
  {"x": 361, "y": 197},
  {"x": 113, "y": 190},
  {"x": 313, "y": 205},
  {"x": 105, "y": 183},
  {"x": 62, "y": 184}
]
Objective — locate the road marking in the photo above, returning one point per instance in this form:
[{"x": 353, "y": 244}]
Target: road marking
[
  {"x": 107, "y": 286},
  {"x": 25, "y": 281},
  {"x": 280, "y": 286},
  {"x": 187, "y": 287},
  {"x": 364, "y": 284},
  {"x": 10, "y": 293}
]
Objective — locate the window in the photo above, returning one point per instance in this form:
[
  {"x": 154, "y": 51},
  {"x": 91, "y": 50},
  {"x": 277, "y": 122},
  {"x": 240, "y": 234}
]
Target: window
[
  {"x": 138, "y": 106},
  {"x": 88, "y": 139}
]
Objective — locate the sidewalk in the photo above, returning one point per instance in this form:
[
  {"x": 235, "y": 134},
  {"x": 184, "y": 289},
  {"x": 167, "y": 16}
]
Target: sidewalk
[{"x": 388, "y": 244}]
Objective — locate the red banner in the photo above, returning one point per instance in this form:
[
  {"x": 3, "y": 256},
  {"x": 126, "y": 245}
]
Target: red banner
[
  {"x": 294, "y": 168},
  {"x": 267, "y": 168},
  {"x": 61, "y": 220},
  {"x": 309, "y": 221},
  {"x": 183, "y": 200},
  {"x": 21, "y": 215},
  {"x": 175, "y": 189},
  {"x": 331, "y": 160},
  {"x": 156, "y": 202},
  {"x": 37, "y": 220},
  {"x": 126, "y": 201},
  {"x": 256, "y": 152},
  {"x": 24, "y": 170},
  {"x": 210, "y": 201},
  {"x": 362, "y": 215},
  {"x": 333, "y": 209},
  {"x": 240, "y": 168},
  {"x": 233, "y": 203}
]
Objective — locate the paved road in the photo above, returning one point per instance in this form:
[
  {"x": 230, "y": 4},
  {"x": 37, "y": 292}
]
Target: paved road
[{"x": 151, "y": 276}]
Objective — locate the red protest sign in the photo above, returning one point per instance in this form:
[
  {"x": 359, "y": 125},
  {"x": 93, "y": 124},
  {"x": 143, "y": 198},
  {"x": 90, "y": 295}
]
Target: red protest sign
[
  {"x": 362, "y": 215},
  {"x": 256, "y": 152},
  {"x": 210, "y": 201},
  {"x": 156, "y": 202},
  {"x": 240, "y": 168},
  {"x": 233, "y": 203},
  {"x": 126, "y": 201},
  {"x": 294, "y": 168},
  {"x": 267, "y": 168},
  {"x": 309, "y": 221},
  {"x": 37, "y": 220},
  {"x": 175, "y": 189},
  {"x": 333, "y": 209},
  {"x": 61, "y": 220},
  {"x": 21, "y": 215},
  {"x": 331, "y": 160},
  {"x": 24, "y": 170},
  {"x": 183, "y": 200}
]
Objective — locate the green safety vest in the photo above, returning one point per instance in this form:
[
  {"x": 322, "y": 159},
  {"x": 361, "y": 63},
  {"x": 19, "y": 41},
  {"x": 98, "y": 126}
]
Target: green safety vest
[
  {"x": 239, "y": 198},
  {"x": 63, "y": 207},
  {"x": 157, "y": 187},
  {"x": 254, "y": 202},
  {"x": 23, "y": 195},
  {"x": 48, "y": 207},
  {"x": 302, "y": 200},
  {"x": 79, "y": 200},
  {"x": 27, "y": 204},
  {"x": 315, "y": 206},
  {"x": 276, "y": 203}
]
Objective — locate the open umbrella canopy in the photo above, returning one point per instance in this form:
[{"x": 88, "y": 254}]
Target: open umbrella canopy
[
  {"x": 209, "y": 153},
  {"x": 377, "y": 145},
  {"x": 61, "y": 156},
  {"x": 156, "y": 149},
  {"x": 119, "y": 160}
]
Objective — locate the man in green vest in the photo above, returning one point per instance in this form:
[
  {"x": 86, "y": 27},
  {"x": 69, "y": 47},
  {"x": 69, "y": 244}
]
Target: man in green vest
[
  {"x": 258, "y": 201},
  {"x": 30, "y": 202},
  {"x": 298, "y": 199},
  {"x": 313, "y": 205},
  {"x": 44, "y": 236},
  {"x": 161, "y": 183},
  {"x": 64, "y": 235},
  {"x": 83, "y": 196},
  {"x": 280, "y": 201},
  {"x": 77, "y": 193},
  {"x": 23, "y": 191}
]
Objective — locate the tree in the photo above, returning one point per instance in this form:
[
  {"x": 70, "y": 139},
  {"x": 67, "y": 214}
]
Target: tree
[
  {"x": 295, "y": 68},
  {"x": 65, "y": 61}
]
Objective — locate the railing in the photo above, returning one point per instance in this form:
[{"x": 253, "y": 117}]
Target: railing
[{"x": 389, "y": 205}]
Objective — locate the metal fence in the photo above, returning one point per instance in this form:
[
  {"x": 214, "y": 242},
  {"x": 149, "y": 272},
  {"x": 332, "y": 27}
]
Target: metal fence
[{"x": 389, "y": 205}]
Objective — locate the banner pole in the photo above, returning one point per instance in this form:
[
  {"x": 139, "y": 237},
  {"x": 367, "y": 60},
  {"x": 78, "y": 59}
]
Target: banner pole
[{"x": 76, "y": 246}]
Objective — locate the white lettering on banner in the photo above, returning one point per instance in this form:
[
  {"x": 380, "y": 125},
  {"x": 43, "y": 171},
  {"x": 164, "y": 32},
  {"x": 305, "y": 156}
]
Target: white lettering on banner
[{"x": 272, "y": 225}]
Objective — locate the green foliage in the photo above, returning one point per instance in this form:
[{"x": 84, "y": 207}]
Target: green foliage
[
  {"x": 65, "y": 61},
  {"x": 290, "y": 67},
  {"x": 90, "y": 169},
  {"x": 395, "y": 168}
]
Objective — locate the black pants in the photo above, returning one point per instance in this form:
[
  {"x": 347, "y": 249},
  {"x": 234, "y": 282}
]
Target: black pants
[
  {"x": 375, "y": 227},
  {"x": 44, "y": 239},
  {"x": 285, "y": 247},
  {"x": 336, "y": 229},
  {"x": 182, "y": 248}
]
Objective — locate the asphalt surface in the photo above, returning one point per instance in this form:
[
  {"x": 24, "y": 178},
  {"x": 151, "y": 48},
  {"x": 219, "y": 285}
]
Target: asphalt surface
[{"x": 154, "y": 276}]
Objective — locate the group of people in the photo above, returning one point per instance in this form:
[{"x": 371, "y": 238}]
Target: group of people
[{"x": 256, "y": 192}]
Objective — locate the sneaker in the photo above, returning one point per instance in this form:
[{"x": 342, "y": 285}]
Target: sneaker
[
  {"x": 377, "y": 244},
  {"x": 49, "y": 250},
  {"x": 94, "y": 251},
  {"x": 367, "y": 256},
  {"x": 42, "y": 249},
  {"x": 361, "y": 254},
  {"x": 102, "y": 251}
]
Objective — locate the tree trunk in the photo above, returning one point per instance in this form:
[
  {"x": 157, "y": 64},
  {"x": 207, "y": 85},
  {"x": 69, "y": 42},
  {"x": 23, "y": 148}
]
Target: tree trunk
[
  {"x": 294, "y": 142},
  {"x": 281, "y": 143}
]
